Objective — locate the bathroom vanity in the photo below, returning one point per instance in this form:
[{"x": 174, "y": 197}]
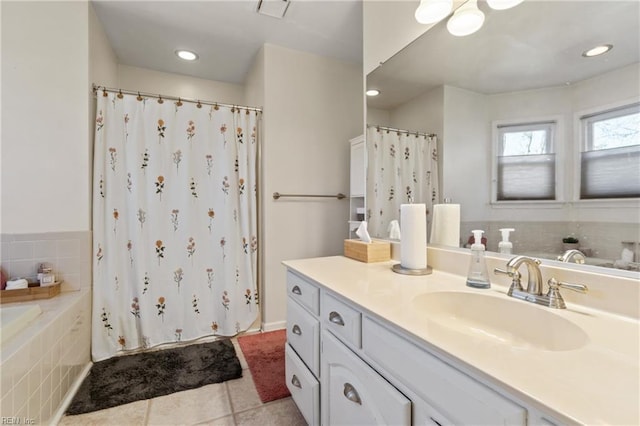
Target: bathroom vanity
[{"x": 368, "y": 346}]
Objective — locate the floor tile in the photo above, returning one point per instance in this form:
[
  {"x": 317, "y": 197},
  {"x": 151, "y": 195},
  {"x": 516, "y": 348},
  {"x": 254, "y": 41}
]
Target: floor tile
[
  {"x": 281, "y": 412},
  {"x": 132, "y": 414},
  {"x": 243, "y": 361},
  {"x": 243, "y": 393},
  {"x": 225, "y": 421},
  {"x": 190, "y": 407}
]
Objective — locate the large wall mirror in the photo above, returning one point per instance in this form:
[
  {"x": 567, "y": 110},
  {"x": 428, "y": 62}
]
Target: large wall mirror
[{"x": 523, "y": 73}]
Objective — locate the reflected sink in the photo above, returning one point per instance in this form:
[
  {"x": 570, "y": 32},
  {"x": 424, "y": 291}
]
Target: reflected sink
[{"x": 501, "y": 320}]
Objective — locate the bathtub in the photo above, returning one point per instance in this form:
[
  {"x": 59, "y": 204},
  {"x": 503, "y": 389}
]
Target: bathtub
[
  {"x": 13, "y": 319},
  {"x": 45, "y": 355}
]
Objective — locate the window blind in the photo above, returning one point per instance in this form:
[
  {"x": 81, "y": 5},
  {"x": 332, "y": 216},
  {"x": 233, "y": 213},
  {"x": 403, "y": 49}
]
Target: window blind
[
  {"x": 526, "y": 177},
  {"x": 611, "y": 173}
]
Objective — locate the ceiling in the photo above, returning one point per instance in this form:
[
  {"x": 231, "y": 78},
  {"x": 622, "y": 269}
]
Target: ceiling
[
  {"x": 536, "y": 44},
  {"x": 226, "y": 34}
]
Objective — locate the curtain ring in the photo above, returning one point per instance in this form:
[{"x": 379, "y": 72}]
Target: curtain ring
[
  {"x": 216, "y": 107},
  {"x": 160, "y": 100},
  {"x": 198, "y": 105},
  {"x": 247, "y": 111},
  {"x": 139, "y": 98},
  {"x": 120, "y": 95},
  {"x": 179, "y": 103},
  {"x": 104, "y": 92}
]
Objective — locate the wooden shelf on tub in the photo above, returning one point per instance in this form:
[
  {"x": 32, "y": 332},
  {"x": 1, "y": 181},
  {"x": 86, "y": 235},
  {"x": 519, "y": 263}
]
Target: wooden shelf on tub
[{"x": 31, "y": 293}]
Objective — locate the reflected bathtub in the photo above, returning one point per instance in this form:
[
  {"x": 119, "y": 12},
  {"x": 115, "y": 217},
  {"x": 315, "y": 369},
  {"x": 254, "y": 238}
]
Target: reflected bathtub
[{"x": 14, "y": 319}]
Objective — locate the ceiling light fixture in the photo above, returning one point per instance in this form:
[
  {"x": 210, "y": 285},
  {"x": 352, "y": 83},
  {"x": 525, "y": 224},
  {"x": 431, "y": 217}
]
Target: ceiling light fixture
[
  {"x": 598, "y": 50},
  {"x": 430, "y": 11},
  {"x": 467, "y": 19},
  {"x": 187, "y": 55},
  {"x": 373, "y": 92},
  {"x": 503, "y": 4}
]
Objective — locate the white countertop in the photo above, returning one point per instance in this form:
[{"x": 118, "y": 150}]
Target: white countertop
[{"x": 598, "y": 383}]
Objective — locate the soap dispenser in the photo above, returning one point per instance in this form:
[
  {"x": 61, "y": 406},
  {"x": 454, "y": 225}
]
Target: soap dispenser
[
  {"x": 505, "y": 246},
  {"x": 478, "y": 276}
]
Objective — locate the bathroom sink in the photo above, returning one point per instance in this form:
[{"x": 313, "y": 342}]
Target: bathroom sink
[{"x": 501, "y": 320}]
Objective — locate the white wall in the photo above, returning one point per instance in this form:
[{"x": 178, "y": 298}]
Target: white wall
[
  {"x": 312, "y": 107},
  {"x": 378, "y": 117},
  {"x": 45, "y": 122},
  {"x": 162, "y": 83},
  {"x": 465, "y": 157}
]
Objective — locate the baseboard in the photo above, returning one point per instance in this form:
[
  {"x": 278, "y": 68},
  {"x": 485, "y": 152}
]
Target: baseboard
[
  {"x": 73, "y": 389},
  {"x": 270, "y": 326}
]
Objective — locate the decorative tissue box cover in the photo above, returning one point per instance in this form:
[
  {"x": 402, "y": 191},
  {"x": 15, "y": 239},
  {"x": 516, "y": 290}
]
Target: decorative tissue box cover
[{"x": 376, "y": 251}]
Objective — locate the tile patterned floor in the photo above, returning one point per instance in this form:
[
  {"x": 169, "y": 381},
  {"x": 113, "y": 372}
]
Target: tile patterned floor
[{"x": 232, "y": 403}]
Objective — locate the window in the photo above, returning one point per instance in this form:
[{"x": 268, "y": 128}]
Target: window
[
  {"x": 610, "y": 158},
  {"x": 526, "y": 163}
]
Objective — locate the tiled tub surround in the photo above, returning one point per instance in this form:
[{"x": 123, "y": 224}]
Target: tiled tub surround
[
  {"x": 41, "y": 363},
  {"x": 68, "y": 252}
]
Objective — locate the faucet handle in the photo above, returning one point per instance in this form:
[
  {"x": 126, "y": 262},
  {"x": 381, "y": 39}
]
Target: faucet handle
[
  {"x": 555, "y": 298},
  {"x": 515, "y": 278}
]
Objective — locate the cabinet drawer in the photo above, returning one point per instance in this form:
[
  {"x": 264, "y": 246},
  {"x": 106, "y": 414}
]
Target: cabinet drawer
[
  {"x": 304, "y": 292},
  {"x": 353, "y": 393},
  {"x": 304, "y": 388},
  {"x": 303, "y": 334},
  {"x": 457, "y": 396},
  {"x": 343, "y": 321}
]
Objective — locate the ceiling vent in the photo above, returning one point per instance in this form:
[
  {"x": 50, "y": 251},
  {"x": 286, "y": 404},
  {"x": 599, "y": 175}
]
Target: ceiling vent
[{"x": 273, "y": 8}]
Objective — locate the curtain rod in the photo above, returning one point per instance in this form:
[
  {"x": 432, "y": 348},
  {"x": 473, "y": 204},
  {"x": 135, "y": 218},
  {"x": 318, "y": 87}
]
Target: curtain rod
[
  {"x": 408, "y": 132},
  {"x": 104, "y": 89}
]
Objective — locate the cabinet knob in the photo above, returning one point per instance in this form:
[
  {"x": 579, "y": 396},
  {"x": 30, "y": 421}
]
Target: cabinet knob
[
  {"x": 296, "y": 330},
  {"x": 296, "y": 382},
  {"x": 336, "y": 318},
  {"x": 296, "y": 290},
  {"x": 351, "y": 394}
]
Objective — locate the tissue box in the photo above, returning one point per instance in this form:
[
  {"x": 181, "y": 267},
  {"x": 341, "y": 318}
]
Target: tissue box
[{"x": 376, "y": 251}]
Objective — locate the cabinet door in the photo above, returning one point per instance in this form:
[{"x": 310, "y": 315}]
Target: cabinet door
[{"x": 355, "y": 394}]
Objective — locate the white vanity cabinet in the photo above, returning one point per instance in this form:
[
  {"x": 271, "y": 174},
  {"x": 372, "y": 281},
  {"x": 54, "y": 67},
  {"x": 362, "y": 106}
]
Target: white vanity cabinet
[
  {"x": 348, "y": 366},
  {"x": 302, "y": 352}
]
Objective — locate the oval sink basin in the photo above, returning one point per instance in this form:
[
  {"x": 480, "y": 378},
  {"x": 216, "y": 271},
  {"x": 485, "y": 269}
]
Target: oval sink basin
[{"x": 502, "y": 320}]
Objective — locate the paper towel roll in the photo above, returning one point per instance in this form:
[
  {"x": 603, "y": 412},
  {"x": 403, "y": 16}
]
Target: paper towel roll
[
  {"x": 413, "y": 245},
  {"x": 445, "y": 225}
]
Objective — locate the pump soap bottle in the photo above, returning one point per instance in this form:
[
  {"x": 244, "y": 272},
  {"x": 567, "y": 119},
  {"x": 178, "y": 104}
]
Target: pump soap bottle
[
  {"x": 505, "y": 246},
  {"x": 478, "y": 276}
]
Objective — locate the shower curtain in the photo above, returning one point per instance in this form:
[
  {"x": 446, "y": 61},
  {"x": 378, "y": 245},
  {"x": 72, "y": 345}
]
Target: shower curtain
[
  {"x": 174, "y": 222},
  {"x": 403, "y": 168}
]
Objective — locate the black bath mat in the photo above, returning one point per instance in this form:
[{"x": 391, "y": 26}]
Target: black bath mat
[{"x": 130, "y": 378}]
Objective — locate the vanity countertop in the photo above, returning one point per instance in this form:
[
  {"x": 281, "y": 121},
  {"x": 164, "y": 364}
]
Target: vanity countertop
[{"x": 598, "y": 383}]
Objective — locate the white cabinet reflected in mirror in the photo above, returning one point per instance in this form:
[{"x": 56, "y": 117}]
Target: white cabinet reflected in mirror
[{"x": 531, "y": 134}]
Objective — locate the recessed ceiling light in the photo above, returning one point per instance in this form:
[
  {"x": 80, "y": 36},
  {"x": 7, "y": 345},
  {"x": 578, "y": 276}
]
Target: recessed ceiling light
[
  {"x": 373, "y": 92},
  {"x": 187, "y": 55},
  {"x": 598, "y": 50}
]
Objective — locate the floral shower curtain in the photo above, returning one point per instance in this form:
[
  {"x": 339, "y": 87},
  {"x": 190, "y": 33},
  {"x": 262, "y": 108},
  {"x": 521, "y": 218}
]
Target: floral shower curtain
[
  {"x": 174, "y": 220},
  {"x": 403, "y": 168}
]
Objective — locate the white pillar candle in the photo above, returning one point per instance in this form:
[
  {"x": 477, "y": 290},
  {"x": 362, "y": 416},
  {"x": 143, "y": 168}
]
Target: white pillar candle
[{"x": 413, "y": 245}]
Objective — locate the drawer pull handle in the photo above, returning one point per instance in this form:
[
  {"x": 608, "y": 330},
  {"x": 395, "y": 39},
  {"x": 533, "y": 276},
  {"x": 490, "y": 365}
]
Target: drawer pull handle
[
  {"x": 435, "y": 421},
  {"x": 335, "y": 318},
  {"x": 296, "y": 330},
  {"x": 296, "y": 382},
  {"x": 351, "y": 394},
  {"x": 296, "y": 290}
]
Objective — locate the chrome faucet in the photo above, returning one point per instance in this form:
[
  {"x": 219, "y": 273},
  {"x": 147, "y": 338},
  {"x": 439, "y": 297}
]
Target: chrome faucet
[
  {"x": 533, "y": 293},
  {"x": 534, "y": 276},
  {"x": 576, "y": 255}
]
